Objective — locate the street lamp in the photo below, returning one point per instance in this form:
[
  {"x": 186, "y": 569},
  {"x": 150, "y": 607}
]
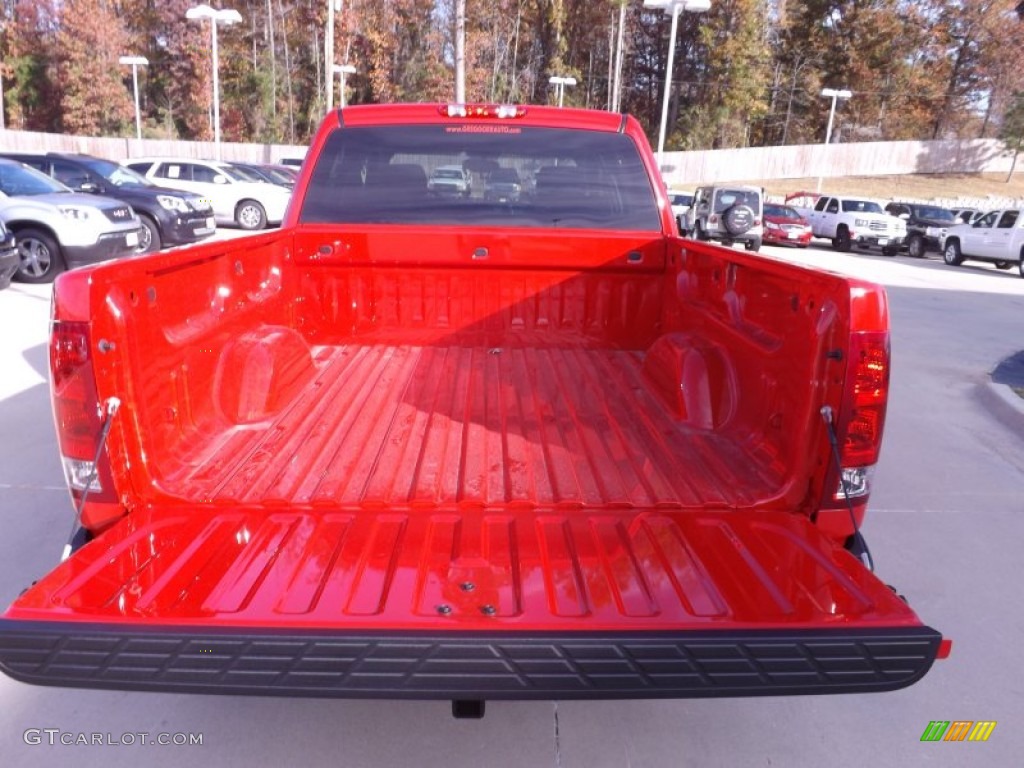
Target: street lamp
[
  {"x": 333, "y": 7},
  {"x": 672, "y": 8},
  {"x": 342, "y": 70},
  {"x": 561, "y": 82},
  {"x": 223, "y": 16},
  {"x": 834, "y": 95},
  {"x": 135, "y": 62}
]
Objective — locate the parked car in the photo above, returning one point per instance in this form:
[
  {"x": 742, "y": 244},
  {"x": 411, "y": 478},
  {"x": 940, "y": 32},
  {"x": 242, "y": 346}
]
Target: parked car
[
  {"x": 8, "y": 256},
  {"x": 168, "y": 216},
  {"x": 450, "y": 180},
  {"x": 852, "y": 221},
  {"x": 57, "y": 229},
  {"x": 728, "y": 213},
  {"x": 783, "y": 225},
  {"x": 264, "y": 173},
  {"x": 680, "y": 202},
  {"x": 996, "y": 237},
  {"x": 503, "y": 186},
  {"x": 282, "y": 175},
  {"x": 235, "y": 199},
  {"x": 926, "y": 224},
  {"x": 289, "y": 172}
]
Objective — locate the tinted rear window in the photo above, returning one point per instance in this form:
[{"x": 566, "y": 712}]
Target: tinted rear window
[
  {"x": 571, "y": 179},
  {"x": 727, "y": 198}
]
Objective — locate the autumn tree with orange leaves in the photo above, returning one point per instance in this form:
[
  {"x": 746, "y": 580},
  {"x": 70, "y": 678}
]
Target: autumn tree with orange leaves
[{"x": 747, "y": 73}]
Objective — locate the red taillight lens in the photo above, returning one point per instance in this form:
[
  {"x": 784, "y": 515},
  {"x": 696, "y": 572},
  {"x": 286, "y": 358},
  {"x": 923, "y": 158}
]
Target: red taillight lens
[
  {"x": 859, "y": 432},
  {"x": 75, "y": 403},
  {"x": 77, "y": 412},
  {"x": 867, "y": 393}
]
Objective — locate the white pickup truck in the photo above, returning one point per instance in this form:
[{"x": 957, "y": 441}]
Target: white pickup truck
[
  {"x": 850, "y": 221},
  {"x": 996, "y": 237}
]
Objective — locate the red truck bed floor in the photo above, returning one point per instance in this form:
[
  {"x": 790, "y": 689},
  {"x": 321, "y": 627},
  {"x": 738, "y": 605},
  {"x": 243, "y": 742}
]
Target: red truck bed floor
[{"x": 406, "y": 425}]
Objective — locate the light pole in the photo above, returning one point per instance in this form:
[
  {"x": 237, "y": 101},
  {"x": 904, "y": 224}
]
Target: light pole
[
  {"x": 617, "y": 79},
  {"x": 561, "y": 82},
  {"x": 834, "y": 95},
  {"x": 223, "y": 16},
  {"x": 342, "y": 70},
  {"x": 333, "y": 7},
  {"x": 672, "y": 8},
  {"x": 460, "y": 51},
  {"x": 135, "y": 62}
]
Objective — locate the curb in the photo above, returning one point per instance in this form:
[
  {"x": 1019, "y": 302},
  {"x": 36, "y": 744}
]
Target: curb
[{"x": 1004, "y": 404}]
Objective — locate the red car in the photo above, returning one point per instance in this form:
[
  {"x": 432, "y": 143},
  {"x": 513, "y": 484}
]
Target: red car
[{"x": 784, "y": 226}]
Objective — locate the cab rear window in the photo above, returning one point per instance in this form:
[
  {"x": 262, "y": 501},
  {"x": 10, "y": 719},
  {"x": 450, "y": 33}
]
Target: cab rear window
[{"x": 569, "y": 178}]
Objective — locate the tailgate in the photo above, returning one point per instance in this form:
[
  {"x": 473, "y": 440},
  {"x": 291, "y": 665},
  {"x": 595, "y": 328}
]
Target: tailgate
[{"x": 466, "y": 604}]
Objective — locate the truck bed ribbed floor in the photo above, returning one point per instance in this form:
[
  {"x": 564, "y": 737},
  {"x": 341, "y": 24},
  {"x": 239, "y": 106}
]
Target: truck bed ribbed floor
[{"x": 428, "y": 426}]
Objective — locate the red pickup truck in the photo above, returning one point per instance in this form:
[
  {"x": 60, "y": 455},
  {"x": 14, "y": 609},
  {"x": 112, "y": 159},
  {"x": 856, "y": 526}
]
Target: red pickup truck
[{"x": 530, "y": 446}]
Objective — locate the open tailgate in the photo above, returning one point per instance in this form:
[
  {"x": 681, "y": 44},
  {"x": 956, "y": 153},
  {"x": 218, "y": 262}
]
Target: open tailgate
[{"x": 466, "y": 604}]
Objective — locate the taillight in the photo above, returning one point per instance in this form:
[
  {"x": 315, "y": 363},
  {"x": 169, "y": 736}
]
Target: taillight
[
  {"x": 713, "y": 219},
  {"x": 78, "y": 414},
  {"x": 867, "y": 392},
  {"x": 858, "y": 432}
]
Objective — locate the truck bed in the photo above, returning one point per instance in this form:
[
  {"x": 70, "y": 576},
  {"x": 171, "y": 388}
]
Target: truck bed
[{"x": 400, "y": 425}]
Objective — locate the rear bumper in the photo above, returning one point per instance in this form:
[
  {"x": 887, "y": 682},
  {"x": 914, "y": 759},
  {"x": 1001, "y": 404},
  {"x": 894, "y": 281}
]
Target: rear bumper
[
  {"x": 746, "y": 237},
  {"x": 466, "y": 665}
]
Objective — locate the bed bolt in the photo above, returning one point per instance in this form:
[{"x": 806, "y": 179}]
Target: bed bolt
[
  {"x": 488, "y": 610},
  {"x": 444, "y": 610},
  {"x": 467, "y": 586},
  {"x": 105, "y": 346}
]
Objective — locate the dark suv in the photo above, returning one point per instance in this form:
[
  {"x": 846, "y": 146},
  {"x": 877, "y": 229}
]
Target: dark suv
[
  {"x": 168, "y": 216},
  {"x": 926, "y": 225}
]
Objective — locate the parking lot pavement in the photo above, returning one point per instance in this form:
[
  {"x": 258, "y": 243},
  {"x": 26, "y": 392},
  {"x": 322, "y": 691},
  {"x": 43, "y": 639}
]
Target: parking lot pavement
[
  {"x": 24, "y": 312},
  {"x": 904, "y": 271},
  {"x": 945, "y": 527}
]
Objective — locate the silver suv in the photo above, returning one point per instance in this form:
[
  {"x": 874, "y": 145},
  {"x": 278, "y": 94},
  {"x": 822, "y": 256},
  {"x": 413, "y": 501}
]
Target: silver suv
[
  {"x": 57, "y": 229},
  {"x": 727, "y": 213}
]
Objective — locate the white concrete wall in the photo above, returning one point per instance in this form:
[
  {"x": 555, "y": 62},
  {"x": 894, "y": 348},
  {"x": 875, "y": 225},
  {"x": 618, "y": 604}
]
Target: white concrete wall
[
  {"x": 679, "y": 168},
  {"x": 120, "y": 149},
  {"x": 858, "y": 159}
]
